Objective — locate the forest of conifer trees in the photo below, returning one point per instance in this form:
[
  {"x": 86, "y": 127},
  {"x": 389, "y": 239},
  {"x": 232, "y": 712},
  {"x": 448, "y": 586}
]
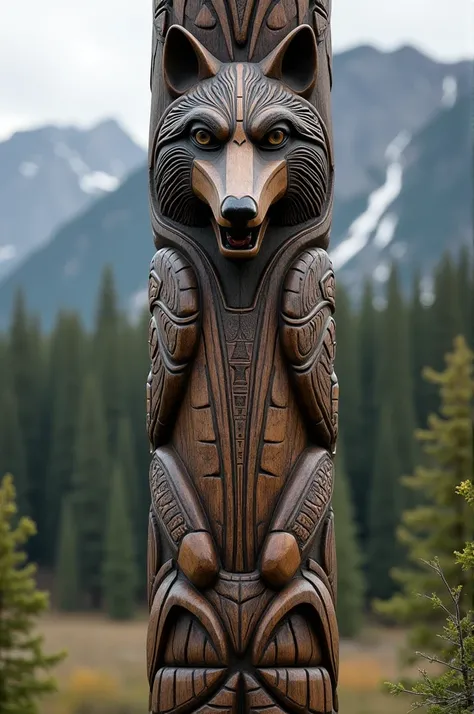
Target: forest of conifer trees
[{"x": 72, "y": 432}]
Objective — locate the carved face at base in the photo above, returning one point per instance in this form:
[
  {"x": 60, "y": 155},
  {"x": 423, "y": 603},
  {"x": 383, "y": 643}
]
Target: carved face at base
[{"x": 240, "y": 147}]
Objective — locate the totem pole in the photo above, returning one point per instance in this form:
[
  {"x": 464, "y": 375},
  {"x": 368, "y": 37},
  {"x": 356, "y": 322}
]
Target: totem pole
[{"x": 242, "y": 397}]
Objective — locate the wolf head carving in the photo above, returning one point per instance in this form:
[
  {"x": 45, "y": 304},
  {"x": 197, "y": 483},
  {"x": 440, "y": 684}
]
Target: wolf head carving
[{"x": 240, "y": 147}]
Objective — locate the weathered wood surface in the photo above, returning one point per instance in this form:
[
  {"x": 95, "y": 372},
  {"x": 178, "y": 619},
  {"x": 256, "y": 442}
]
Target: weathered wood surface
[{"x": 242, "y": 396}]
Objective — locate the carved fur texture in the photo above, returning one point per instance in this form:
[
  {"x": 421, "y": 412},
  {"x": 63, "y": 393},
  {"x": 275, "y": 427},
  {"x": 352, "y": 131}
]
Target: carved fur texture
[{"x": 265, "y": 103}]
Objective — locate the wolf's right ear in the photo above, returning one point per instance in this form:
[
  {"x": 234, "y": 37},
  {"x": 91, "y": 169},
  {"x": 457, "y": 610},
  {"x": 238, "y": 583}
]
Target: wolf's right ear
[
  {"x": 294, "y": 61},
  {"x": 185, "y": 61}
]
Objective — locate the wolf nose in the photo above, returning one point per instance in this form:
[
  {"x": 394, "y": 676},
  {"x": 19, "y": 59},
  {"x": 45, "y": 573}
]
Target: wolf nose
[{"x": 239, "y": 211}]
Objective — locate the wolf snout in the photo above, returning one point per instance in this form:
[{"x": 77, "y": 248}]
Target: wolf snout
[{"x": 239, "y": 211}]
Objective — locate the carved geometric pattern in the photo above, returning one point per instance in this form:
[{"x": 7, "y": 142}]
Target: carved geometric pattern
[
  {"x": 290, "y": 637},
  {"x": 174, "y": 499},
  {"x": 308, "y": 339},
  {"x": 306, "y": 497}
]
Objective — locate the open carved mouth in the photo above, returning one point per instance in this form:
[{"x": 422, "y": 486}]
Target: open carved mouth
[
  {"x": 238, "y": 238},
  {"x": 239, "y": 242}
]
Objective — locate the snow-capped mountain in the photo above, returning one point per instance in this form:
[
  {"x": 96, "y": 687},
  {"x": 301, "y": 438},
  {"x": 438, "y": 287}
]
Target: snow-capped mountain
[
  {"x": 49, "y": 175},
  {"x": 423, "y": 205}
]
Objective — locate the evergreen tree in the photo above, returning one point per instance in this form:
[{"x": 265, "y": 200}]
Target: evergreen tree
[
  {"x": 368, "y": 411},
  {"x": 451, "y": 689},
  {"x": 107, "y": 356},
  {"x": 383, "y": 551},
  {"x": 25, "y": 367},
  {"x": 126, "y": 460},
  {"x": 24, "y": 666},
  {"x": 348, "y": 372},
  {"x": 350, "y": 580},
  {"x": 12, "y": 451},
  {"x": 420, "y": 351},
  {"x": 395, "y": 378},
  {"x": 65, "y": 383},
  {"x": 140, "y": 366},
  {"x": 119, "y": 565},
  {"x": 441, "y": 525},
  {"x": 67, "y": 567},
  {"x": 90, "y": 489},
  {"x": 446, "y": 313},
  {"x": 464, "y": 275}
]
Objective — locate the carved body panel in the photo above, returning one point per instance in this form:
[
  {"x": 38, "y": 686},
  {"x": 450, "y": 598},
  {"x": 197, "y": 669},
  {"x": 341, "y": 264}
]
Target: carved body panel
[{"x": 242, "y": 396}]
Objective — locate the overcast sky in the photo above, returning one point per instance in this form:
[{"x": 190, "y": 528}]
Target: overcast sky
[{"x": 78, "y": 62}]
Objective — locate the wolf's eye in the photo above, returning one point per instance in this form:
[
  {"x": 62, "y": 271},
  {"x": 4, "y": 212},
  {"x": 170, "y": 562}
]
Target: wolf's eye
[
  {"x": 275, "y": 138},
  {"x": 204, "y": 138}
]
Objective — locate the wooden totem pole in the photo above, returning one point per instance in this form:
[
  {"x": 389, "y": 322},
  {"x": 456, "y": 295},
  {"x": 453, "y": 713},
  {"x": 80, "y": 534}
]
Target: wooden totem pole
[{"x": 242, "y": 396}]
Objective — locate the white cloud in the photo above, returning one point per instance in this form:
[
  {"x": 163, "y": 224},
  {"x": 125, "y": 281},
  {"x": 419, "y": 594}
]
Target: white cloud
[{"x": 79, "y": 62}]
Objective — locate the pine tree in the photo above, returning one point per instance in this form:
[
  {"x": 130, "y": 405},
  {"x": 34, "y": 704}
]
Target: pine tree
[
  {"x": 446, "y": 312},
  {"x": 12, "y": 451},
  {"x": 368, "y": 411},
  {"x": 395, "y": 378},
  {"x": 420, "y": 351},
  {"x": 383, "y": 551},
  {"x": 90, "y": 489},
  {"x": 139, "y": 367},
  {"x": 25, "y": 367},
  {"x": 464, "y": 274},
  {"x": 348, "y": 372},
  {"x": 67, "y": 567},
  {"x": 107, "y": 356},
  {"x": 126, "y": 460},
  {"x": 119, "y": 565},
  {"x": 350, "y": 580},
  {"x": 24, "y": 666},
  {"x": 451, "y": 690},
  {"x": 441, "y": 524},
  {"x": 65, "y": 383}
]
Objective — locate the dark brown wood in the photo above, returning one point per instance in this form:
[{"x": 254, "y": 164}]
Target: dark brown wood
[{"x": 242, "y": 397}]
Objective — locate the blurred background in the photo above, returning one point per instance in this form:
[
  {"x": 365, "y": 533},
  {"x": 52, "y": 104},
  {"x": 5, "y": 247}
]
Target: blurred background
[{"x": 75, "y": 246}]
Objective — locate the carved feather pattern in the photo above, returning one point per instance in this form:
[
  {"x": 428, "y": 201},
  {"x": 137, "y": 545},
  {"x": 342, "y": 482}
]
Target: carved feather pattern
[
  {"x": 309, "y": 341},
  {"x": 174, "y": 336}
]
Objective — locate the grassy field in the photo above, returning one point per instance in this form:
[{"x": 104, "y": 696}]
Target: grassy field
[{"x": 110, "y": 658}]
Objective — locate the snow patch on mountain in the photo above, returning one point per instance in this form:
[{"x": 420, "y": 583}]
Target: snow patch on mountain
[
  {"x": 379, "y": 201},
  {"x": 91, "y": 182},
  {"x": 28, "y": 169},
  {"x": 98, "y": 182},
  {"x": 386, "y": 230},
  {"x": 450, "y": 92},
  {"x": 7, "y": 252}
]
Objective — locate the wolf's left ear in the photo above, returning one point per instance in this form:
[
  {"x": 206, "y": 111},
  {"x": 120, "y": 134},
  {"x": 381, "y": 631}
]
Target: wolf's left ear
[
  {"x": 185, "y": 61},
  {"x": 294, "y": 61}
]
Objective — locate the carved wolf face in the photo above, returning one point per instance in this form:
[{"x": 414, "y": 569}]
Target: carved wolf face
[{"x": 240, "y": 146}]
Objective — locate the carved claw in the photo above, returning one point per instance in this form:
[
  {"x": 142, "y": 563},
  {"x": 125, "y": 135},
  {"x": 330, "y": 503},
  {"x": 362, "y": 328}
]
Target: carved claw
[
  {"x": 280, "y": 559},
  {"x": 198, "y": 560}
]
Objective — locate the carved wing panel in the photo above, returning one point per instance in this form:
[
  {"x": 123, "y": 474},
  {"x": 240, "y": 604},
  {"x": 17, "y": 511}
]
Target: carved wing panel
[
  {"x": 174, "y": 336},
  {"x": 309, "y": 341}
]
